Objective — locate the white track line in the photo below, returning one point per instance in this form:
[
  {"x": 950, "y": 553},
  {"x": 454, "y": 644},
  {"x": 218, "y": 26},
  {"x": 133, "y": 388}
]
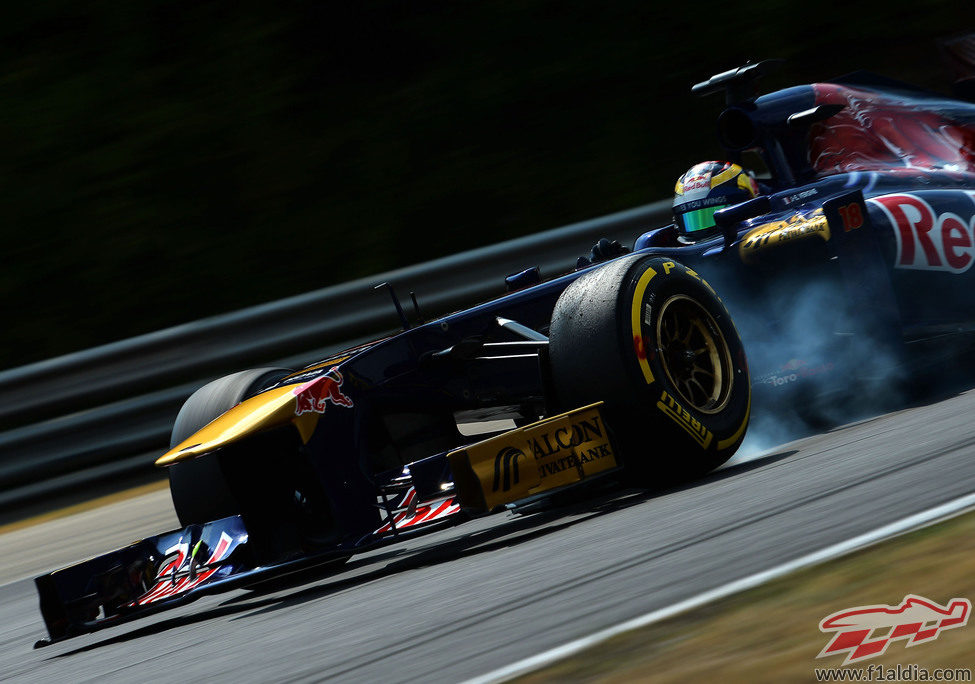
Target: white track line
[{"x": 830, "y": 552}]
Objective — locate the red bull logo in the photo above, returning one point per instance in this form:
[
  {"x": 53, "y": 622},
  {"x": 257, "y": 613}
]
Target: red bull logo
[
  {"x": 314, "y": 395},
  {"x": 916, "y": 618},
  {"x": 927, "y": 240}
]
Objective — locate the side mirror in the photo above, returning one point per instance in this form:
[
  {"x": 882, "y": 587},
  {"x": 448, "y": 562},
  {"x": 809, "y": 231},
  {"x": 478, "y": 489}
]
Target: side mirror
[{"x": 728, "y": 219}]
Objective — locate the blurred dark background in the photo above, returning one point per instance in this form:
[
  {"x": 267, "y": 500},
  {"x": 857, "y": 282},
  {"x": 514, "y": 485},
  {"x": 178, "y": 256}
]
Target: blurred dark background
[{"x": 164, "y": 161}]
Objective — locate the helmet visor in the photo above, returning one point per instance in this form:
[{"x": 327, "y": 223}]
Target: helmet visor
[{"x": 700, "y": 219}]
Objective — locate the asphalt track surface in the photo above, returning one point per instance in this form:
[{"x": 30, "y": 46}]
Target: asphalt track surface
[{"x": 468, "y": 600}]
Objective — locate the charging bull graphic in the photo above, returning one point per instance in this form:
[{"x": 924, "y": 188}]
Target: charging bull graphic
[
  {"x": 315, "y": 395},
  {"x": 916, "y": 618}
]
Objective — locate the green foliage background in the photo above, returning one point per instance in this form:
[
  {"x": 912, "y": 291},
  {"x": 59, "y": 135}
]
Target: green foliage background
[{"x": 164, "y": 161}]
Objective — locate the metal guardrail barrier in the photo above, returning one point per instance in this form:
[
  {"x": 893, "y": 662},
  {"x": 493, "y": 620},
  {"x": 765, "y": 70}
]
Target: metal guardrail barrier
[{"x": 104, "y": 412}]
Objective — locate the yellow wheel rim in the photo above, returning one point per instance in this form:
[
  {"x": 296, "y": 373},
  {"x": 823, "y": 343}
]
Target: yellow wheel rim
[{"x": 694, "y": 354}]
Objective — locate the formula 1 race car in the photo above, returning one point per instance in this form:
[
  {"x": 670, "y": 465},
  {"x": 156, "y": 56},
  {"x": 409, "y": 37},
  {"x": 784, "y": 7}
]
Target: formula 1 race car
[{"x": 632, "y": 365}]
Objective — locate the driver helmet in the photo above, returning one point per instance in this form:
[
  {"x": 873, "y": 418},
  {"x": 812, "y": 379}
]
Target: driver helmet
[{"x": 703, "y": 190}]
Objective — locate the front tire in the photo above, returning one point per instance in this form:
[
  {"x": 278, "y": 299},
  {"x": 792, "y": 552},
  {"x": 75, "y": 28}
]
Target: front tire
[
  {"x": 199, "y": 487},
  {"x": 650, "y": 338}
]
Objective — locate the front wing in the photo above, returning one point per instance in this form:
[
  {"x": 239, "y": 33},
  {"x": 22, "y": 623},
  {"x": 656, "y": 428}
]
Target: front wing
[{"x": 177, "y": 567}]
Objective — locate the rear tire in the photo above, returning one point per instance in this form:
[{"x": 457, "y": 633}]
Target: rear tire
[
  {"x": 199, "y": 487},
  {"x": 651, "y": 339}
]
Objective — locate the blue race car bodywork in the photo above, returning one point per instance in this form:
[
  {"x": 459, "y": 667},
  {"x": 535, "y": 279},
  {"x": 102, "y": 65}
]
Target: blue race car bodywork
[{"x": 870, "y": 191}]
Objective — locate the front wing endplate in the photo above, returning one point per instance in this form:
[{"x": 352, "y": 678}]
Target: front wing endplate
[{"x": 543, "y": 456}]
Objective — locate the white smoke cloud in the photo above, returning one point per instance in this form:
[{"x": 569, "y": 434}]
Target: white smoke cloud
[{"x": 814, "y": 363}]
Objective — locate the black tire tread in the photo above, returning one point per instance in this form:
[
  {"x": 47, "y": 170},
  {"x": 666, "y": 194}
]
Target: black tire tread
[
  {"x": 198, "y": 487},
  {"x": 592, "y": 358}
]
